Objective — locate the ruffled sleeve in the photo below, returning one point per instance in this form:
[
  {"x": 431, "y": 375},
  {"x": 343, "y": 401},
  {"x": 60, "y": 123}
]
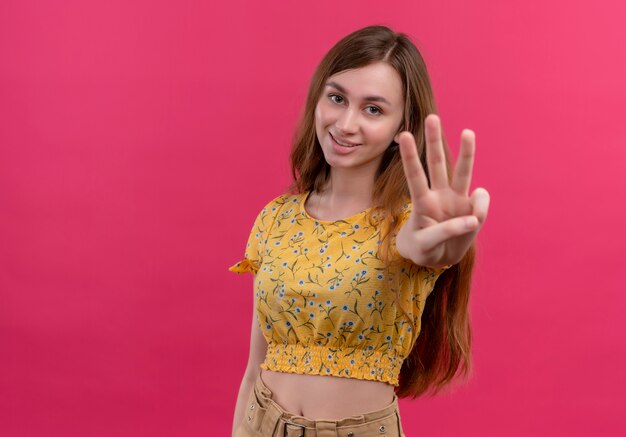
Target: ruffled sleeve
[
  {"x": 436, "y": 271},
  {"x": 244, "y": 266},
  {"x": 253, "y": 256}
]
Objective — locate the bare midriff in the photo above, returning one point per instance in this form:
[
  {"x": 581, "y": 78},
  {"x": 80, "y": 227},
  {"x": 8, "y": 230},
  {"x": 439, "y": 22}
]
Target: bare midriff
[{"x": 319, "y": 397}]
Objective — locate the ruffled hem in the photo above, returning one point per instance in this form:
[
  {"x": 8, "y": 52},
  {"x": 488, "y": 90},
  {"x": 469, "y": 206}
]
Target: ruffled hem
[
  {"x": 347, "y": 362},
  {"x": 244, "y": 266}
]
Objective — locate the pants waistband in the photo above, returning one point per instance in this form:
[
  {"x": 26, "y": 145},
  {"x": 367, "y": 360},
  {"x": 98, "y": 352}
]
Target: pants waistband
[{"x": 264, "y": 396}]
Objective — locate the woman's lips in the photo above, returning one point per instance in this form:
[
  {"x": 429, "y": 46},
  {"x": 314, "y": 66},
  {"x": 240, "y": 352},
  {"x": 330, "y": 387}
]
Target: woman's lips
[
  {"x": 339, "y": 149},
  {"x": 343, "y": 150}
]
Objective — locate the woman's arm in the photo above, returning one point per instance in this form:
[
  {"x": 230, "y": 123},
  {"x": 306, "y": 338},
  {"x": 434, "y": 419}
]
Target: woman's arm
[
  {"x": 247, "y": 384},
  {"x": 258, "y": 348}
]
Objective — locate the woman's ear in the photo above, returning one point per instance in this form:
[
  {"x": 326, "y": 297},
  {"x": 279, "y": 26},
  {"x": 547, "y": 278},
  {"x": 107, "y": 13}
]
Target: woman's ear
[{"x": 397, "y": 136}]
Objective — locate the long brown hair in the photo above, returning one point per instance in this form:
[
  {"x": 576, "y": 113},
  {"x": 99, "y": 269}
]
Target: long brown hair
[{"x": 442, "y": 350}]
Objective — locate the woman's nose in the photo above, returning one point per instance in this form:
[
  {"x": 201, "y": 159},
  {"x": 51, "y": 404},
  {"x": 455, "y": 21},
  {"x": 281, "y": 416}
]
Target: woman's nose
[{"x": 348, "y": 122}]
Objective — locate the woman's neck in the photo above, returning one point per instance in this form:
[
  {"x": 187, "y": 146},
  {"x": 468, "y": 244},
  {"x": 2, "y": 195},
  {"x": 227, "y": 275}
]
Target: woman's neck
[{"x": 345, "y": 193}]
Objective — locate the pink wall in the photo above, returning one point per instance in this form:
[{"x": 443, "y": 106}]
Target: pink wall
[{"x": 138, "y": 140}]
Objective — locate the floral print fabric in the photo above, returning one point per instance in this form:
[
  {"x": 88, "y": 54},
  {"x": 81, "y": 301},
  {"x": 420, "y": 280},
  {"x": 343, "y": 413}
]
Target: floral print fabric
[{"x": 324, "y": 302}]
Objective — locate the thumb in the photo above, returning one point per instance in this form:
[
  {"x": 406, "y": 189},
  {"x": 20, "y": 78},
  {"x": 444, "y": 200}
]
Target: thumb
[{"x": 434, "y": 235}]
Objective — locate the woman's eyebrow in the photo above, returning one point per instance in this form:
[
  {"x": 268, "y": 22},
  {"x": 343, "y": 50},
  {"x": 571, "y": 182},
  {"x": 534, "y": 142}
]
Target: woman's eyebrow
[{"x": 368, "y": 98}]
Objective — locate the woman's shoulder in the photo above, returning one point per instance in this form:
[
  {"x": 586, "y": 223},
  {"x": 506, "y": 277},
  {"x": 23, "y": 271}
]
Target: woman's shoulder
[
  {"x": 282, "y": 200},
  {"x": 281, "y": 203},
  {"x": 405, "y": 211}
]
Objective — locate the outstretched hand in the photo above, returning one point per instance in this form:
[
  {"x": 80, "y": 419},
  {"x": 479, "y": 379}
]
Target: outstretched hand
[{"x": 445, "y": 219}]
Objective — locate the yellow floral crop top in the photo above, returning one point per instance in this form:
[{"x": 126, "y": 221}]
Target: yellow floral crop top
[{"x": 324, "y": 302}]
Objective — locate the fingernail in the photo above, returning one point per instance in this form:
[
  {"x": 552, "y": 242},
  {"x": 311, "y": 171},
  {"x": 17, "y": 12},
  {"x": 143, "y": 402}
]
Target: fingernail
[{"x": 471, "y": 222}]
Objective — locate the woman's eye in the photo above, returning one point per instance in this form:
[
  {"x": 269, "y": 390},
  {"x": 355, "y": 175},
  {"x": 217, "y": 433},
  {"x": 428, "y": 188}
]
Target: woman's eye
[
  {"x": 374, "y": 110},
  {"x": 335, "y": 98}
]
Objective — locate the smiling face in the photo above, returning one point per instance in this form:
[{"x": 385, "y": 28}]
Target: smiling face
[{"x": 358, "y": 115}]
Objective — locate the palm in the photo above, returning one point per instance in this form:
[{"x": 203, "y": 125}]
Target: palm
[{"x": 445, "y": 219}]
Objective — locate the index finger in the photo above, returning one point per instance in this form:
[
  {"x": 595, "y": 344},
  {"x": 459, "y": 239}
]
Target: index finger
[{"x": 413, "y": 170}]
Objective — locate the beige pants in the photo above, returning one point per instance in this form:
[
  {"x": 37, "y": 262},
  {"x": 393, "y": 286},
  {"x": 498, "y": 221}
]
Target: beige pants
[{"x": 265, "y": 418}]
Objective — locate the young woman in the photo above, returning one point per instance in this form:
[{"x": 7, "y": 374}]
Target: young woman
[{"x": 343, "y": 266}]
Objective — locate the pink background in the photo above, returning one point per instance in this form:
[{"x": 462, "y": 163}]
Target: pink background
[{"x": 139, "y": 139}]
